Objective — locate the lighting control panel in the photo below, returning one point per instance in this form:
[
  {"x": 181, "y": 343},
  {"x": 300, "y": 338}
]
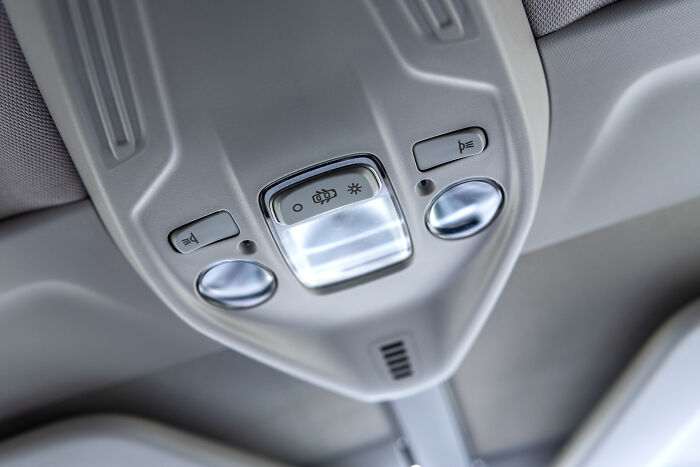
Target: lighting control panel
[
  {"x": 337, "y": 222},
  {"x": 420, "y": 157}
]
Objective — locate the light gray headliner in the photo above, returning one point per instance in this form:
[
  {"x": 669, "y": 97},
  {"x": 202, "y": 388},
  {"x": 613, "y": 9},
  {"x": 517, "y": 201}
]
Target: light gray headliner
[
  {"x": 624, "y": 86},
  {"x": 228, "y": 397},
  {"x": 74, "y": 316},
  {"x": 570, "y": 318},
  {"x": 559, "y": 335},
  {"x": 115, "y": 441}
]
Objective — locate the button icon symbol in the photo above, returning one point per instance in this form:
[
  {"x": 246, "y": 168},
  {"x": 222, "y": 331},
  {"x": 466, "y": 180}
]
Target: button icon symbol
[
  {"x": 463, "y": 146},
  {"x": 297, "y": 207},
  {"x": 354, "y": 188},
  {"x": 323, "y": 195},
  {"x": 190, "y": 239}
]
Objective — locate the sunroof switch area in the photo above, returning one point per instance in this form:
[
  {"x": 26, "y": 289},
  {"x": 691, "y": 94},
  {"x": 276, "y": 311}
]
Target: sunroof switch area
[{"x": 337, "y": 222}]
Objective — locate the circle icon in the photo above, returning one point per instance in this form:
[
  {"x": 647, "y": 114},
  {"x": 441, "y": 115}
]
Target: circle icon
[{"x": 297, "y": 207}]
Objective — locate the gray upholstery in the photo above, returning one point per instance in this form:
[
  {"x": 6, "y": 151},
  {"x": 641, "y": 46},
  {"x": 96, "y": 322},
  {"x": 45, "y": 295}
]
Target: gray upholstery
[
  {"x": 549, "y": 15},
  {"x": 35, "y": 169}
]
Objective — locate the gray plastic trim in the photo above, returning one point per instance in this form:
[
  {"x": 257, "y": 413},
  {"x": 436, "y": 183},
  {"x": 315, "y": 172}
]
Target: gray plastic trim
[
  {"x": 74, "y": 315},
  {"x": 118, "y": 440},
  {"x": 629, "y": 70},
  {"x": 434, "y": 433},
  {"x": 359, "y": 77},
  {"x": 650, "y": 416}
]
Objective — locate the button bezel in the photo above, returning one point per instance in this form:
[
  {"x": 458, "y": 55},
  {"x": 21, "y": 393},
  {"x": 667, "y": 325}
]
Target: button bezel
[
  {"x": 242, "y": 302},
  {"x": 281, "y": 231},
  {"x": 424, "y": 158},
  {"x": 467, "y": 233},
  {"x": 173, "y": 235}
]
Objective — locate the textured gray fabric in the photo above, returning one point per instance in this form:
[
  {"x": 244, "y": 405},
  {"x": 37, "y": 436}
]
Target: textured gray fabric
[
  {"x": 549, "y": 15},
  {"x": 35, "y": 169}
]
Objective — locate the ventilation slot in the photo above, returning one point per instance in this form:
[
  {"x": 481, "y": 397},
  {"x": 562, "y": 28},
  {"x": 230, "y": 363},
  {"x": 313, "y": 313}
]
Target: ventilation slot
[{"x": 397, "y": 360}]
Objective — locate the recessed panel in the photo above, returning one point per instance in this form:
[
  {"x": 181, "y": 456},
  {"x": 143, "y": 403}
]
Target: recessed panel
[{"x": 353, "y": 227}]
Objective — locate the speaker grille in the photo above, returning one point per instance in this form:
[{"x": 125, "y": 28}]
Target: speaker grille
[{"x": 397, "y": 359}]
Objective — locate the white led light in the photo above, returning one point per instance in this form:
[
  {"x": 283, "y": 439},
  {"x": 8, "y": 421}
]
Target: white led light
[{"x": 343, "y": 239}]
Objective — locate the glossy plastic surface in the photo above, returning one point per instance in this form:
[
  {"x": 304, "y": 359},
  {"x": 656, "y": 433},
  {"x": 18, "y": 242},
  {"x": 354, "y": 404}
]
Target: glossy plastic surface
[
  {"x": 237, "y": 284},
  {"x": 464, "y": 209},
  {"x": 448, "y": 148},
  {"x": 203, "y": 232}
]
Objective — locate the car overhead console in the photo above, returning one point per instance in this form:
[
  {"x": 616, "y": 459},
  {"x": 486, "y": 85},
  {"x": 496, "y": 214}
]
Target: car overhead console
[{"x": 336, "y": 188}]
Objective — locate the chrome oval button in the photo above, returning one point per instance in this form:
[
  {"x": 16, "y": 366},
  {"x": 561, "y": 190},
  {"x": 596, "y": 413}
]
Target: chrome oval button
[
  {"x": 464, "y": 209},
  {"x": 236, "y": 284}
]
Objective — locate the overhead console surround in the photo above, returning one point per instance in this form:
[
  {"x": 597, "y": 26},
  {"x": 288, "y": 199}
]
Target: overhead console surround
[{"x": 341, "y": 194}]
